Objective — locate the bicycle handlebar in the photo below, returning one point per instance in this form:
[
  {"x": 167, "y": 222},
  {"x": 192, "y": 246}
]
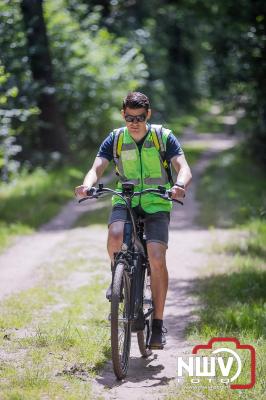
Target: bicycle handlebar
[{"x": 95, "y": 193}]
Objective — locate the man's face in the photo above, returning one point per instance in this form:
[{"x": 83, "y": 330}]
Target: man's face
[{"x": 136, "y": 119}]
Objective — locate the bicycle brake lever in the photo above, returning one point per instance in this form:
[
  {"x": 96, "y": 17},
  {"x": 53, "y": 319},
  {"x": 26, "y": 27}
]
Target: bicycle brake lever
[{"x": 178, "y": 201}]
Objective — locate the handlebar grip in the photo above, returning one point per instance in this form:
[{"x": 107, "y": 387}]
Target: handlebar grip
[{"x": 91, "y": 191}]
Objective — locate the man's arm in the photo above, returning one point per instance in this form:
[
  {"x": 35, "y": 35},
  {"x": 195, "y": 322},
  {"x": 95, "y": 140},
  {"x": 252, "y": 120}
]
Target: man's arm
[
  {"x": 92, "y": 177},
  {"x": 184, "y": 176}
]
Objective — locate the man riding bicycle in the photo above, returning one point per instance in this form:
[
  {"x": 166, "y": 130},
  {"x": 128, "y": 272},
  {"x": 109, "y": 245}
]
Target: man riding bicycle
[{"x": 142, "y": 154}]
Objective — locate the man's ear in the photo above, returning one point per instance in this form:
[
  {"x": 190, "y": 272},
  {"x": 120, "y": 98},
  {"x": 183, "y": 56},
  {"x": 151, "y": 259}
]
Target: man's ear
[
  {"x": 123, "y": 113},
  {"x": 149, "y": 113}
]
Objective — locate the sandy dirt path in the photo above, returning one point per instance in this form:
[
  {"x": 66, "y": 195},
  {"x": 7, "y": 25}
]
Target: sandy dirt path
[{"x": 147, "y": 378}]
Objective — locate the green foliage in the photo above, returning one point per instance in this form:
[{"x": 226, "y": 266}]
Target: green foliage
[
  {"x": 168, "y": 37},
  {"x": 17, "y": 101},
  {"x": 177, "y": 54},
  {"x": 232, "y": 191},
  {"x": 235, "y": 61},
  {"x": 93, "y": 69},
  {"x": 9, "y": 116}
]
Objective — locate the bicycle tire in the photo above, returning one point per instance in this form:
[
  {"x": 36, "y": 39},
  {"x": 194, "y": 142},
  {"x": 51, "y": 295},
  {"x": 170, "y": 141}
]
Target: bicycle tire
[
  {"x": 144, "y": 335},
  {"x": 120, "y": 327}
]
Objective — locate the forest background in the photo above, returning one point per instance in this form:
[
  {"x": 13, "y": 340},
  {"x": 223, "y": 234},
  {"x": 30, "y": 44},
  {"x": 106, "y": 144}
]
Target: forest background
[{"x": 66, "y": 65}]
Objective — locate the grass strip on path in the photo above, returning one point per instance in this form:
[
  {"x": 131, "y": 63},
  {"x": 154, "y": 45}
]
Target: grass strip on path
[
  {"x": 232, "y": 295},
  {"x": 55, "y": 338},
  {"x": 32, "y": 199}
]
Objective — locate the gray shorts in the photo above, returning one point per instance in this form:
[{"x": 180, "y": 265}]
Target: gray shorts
[{"x": 155, "y": 225}]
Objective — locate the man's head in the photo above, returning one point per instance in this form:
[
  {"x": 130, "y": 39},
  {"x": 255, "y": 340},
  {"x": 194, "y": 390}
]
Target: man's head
[
  {"x": 136, "y": 100},
  {"x": 136, "y": 111}
]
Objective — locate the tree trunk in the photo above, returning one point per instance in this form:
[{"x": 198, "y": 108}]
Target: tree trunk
[{"x": 53, "y": 135}]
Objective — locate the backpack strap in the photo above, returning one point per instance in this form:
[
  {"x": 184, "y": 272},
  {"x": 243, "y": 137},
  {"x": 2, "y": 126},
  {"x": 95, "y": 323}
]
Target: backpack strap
[
  {"x": 117, "y": 148},
  {"x": 157, "y": 137}
]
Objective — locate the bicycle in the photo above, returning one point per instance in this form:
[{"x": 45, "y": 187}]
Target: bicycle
[{"x": 131, "y": 300}]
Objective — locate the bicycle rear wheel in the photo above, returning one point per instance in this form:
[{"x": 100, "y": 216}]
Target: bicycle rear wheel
[
  {"x": 144, "y": 335},
  {"x": 120, "y": 324}
]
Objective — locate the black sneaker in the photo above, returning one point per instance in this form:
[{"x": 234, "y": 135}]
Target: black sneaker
[{"x": 157, "y": 340}]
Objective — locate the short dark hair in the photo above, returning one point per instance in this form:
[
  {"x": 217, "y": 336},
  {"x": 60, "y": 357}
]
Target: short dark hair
[{"x": 136, "y": 100}]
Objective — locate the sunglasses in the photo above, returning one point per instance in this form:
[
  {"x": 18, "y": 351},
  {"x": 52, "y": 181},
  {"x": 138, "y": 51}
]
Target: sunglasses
[{"x": 135, "y": 118}]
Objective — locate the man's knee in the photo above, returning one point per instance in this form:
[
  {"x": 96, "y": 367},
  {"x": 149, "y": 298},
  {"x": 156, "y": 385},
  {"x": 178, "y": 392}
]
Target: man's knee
[
  {"x": 157, "y": 252},
  {"x": 115, "y": 234}
]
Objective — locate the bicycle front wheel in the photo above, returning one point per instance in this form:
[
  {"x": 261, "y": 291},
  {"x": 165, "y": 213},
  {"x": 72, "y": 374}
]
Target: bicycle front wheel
[{"x": 120, "y": 324}]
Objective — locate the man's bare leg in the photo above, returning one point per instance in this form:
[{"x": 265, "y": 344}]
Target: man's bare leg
[
  {"x": 114, "y": 242},
  {"x": 159, "y": 286},
  {"x": 159, "y": 276},
  {"x": 115, "y": 238}
]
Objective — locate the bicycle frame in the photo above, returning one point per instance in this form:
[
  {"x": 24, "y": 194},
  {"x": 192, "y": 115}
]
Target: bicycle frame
[
  {"x": 128, "y": 281},
  {"x": 133, "y": 252}
]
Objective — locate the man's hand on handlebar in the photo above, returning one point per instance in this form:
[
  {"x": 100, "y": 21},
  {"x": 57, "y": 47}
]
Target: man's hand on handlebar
[
  {"x": 177, "y": 192},
  {"x": 81, "y": 191}
]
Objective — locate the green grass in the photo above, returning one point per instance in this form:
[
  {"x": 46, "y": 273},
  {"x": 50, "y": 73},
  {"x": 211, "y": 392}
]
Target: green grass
[
  {"x": 179, "y": 124},
  {"x": 210, "y": 124},
  {"x": 250, "y": 248},
  {"x": 17, "y": 311},
  {"x": 95, "y": 218},
  {"x": 54, "y": 340},
  {"x": 193, "y": 153},
  {"x": 232, "y": 297},
  {"x": 232, "y": 304},
  {"x": 8, "y": 232},
  {"x": 33, "y": 199},
  {"x": 232, "y": 191},
  {"x": 99, "y": 216}
]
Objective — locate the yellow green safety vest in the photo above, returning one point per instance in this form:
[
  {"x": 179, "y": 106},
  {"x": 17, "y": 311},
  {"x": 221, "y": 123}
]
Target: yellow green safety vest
[{"x": 143, "y": 168}]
